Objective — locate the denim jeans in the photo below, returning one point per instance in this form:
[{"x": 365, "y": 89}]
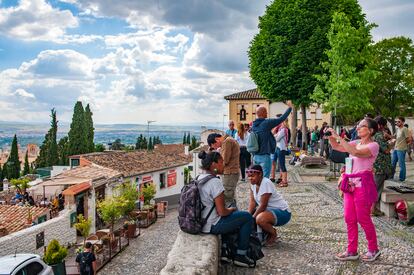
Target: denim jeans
[
  {"x": 264, "y": 161},
  {"x": 399, "y": 156},
  {"x": 238, "y": 221}
]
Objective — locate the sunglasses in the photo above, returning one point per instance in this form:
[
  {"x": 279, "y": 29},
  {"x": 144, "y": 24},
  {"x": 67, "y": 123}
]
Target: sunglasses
[{"x": 397, "y": 121}]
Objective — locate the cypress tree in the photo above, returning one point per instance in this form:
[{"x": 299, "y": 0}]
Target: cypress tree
[
  {"x": 188, "y": 139},
  {"x": 42, "y": 159},
  {"x": 26, "y": 169},
  {"x": 53, "y": 156},
  {"x": 13, "y": 163},
  {"x": 1, "y": 175},
  {"x": 150, "y": 145},
  {"x": 194, "y": 143},
  {"x": 63, "y": 148},
  {"x": 89, "y": 130},
  {"x": 77, "y": 133},
  {"x": 144, "y": 143},
  {"x": 185, "y": 138}
]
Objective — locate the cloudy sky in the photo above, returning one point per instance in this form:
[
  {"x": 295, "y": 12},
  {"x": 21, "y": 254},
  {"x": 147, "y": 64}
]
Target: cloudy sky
[{"x": 138, "y": 60}]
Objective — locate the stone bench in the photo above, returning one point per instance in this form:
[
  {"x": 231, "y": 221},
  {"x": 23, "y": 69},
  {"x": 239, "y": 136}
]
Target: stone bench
[
  {"x": 193, "y": 254},
  {"x": 390, "y": 197}
]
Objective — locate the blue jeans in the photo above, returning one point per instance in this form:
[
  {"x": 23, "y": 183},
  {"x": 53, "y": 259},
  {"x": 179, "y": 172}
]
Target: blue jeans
[
  {"x": 399, "y": 156},
  {"x": 264, "y": 161},
  {"x": 282, "y": 217},
  {"x": 240, "y": 222},
  {"x": 280, "y": 155}
]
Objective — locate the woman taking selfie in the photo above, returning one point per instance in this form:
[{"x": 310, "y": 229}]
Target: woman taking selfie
[{"x": 359, "y": 188}]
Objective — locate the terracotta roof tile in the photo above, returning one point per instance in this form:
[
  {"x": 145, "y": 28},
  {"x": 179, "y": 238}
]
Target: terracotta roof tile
[
  {"x": 14, "y": 218},
  {"x": 76, "y": 189},
  {"x": 249, "y": 94},
  {"x": 138, "y": 162}
]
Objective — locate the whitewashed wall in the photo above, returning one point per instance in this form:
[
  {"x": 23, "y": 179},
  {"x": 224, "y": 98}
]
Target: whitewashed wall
[{"x": 24, "y": 241}]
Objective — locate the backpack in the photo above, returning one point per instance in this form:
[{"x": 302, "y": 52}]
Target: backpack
[
  {"x": 253, "y": 143},
  {"x": 254, "y": 251},
  {"x": 191, "y": 207},
  {"x": 84, "y": 263}
]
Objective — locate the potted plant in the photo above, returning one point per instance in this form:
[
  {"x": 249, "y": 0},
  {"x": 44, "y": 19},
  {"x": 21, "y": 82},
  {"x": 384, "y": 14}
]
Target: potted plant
[
  {"x": 148, "y": 192},
  {"x": 128, "y": 195},
  {"x": 83, "y": 226},
  {"x": 110, "y": 210},
  {"x": 54, "y": 256}
]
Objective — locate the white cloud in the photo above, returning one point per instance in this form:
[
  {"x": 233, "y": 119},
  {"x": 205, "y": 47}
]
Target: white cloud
[
  {"x": 35, "y": 20},
  {"x": 23, "y": 93}
]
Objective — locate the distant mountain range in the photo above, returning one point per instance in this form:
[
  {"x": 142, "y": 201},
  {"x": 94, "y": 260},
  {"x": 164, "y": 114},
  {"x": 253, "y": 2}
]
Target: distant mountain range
[{"x": 104, "y": 133}]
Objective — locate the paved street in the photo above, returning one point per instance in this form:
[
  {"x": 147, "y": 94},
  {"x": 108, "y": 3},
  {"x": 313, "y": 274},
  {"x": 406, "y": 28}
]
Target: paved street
[{"x": 317, "y": 232}]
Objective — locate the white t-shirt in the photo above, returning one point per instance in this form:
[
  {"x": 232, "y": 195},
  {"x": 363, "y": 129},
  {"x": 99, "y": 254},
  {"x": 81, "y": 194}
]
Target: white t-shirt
[
  {"x": 276, "y": 200},
  {"x": 208, "y": 192},
  {"x": 242, "y": 142}
]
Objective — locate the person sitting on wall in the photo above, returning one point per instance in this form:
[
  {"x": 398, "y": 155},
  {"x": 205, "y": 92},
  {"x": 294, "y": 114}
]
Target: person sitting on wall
[{"x": 266, "y": 205}]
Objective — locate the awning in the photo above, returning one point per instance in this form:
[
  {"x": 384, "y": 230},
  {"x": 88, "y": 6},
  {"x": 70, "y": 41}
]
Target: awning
[{"x": 76, "y": 189}]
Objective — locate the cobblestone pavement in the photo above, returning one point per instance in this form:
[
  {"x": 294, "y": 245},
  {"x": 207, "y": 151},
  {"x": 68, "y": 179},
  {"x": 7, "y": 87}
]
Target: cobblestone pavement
[
  {"x": 147, "y": 254},
  {"x": 317, "y": 232}
]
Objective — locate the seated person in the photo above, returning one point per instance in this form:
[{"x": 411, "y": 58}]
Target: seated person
[
  {"x": 18, "y": 195},
  {"x": 44, "y": 202},
  {"x": 223, "y": 220},
  {"x": 266, "y": 205}
]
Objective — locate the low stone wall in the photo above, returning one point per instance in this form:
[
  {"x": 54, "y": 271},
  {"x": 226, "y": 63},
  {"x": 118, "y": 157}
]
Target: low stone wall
[
  {"x": 193, "y": 254},
  {"x": 24, "y": 241}
]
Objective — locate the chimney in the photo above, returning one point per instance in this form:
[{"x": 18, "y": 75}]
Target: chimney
[{"x": 186, "y": 150}]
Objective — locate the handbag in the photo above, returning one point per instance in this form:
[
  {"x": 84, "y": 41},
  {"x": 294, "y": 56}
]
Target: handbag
[{"x": 337, "y": 156}]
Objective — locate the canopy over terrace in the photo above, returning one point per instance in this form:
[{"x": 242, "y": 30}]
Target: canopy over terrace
[{"x": 55, "y": 186}]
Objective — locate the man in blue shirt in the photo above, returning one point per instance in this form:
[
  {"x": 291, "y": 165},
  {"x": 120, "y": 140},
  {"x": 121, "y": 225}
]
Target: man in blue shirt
[
  {"x": 262, "y": 126},
  {"x": 231, "y": 131}
]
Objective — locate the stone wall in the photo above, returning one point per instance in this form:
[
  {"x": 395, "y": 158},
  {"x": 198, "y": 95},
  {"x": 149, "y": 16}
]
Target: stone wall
[{"x": 24, "y": 241}]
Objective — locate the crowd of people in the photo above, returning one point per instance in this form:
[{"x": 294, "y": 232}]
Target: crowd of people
[
  {"x": 373, "y": 155},
  {"x": 25, "y": 199}
]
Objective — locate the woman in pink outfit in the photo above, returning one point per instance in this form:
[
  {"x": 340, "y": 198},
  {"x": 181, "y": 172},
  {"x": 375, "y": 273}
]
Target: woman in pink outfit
[{"x": 359, "y": 188}]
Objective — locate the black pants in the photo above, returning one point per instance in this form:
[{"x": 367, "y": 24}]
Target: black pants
[{"x": 245, "y": 161}]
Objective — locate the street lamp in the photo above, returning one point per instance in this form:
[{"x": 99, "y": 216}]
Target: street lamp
[
  {"x": 149, "y": 122},
  {"x": 224, "y": 115}
]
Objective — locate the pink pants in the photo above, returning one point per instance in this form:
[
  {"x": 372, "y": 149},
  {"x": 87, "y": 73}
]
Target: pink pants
[{"x": 357, "y": 209}]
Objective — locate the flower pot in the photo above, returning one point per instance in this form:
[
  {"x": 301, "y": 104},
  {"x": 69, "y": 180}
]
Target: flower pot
[
  {"x": 59, "y": 269},
  {"x": 131, "y": 230}
]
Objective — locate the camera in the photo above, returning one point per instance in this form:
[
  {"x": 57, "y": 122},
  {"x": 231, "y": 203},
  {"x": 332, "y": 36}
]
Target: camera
[{"x": 327, "y": 134}]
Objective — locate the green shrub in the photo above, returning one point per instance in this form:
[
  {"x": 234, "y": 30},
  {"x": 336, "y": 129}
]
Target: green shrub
[
  {"x": 83, "y": 226},
  {"x": 55, "y": 253},
  {"x": 149, "y": 193}
]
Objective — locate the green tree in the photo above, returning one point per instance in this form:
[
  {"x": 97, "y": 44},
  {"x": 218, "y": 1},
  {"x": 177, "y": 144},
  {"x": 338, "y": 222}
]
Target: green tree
[
  {"x": 188, "y": 141},
  {"x": 346, "y": 84},
  {"x": 63, "y": 150},
  {"x": 89, "y": 130},
  {"x": 138, "y": 144},
  {"x": 77, "y": 132},
  {"x": 194, "y": 143},
  {"x": 49, "y": 155},
  {"x": 99, "y": 147},
  {"x": 26, "y": 169},
  {"x": 117, "y": 145},
  {"x": 185, "y": 138},
  {"x": 150, "y": 144},
  {"x": 83, "y": 226},
  {"x": 110, "y": 210},
  {"x": 20, "y": 184},
  {"x": 290, "y": 46},
  {"x": 12, "y": 165},
  {"x": 1, "y": 178},
  {"x": 394, "y": 87}
]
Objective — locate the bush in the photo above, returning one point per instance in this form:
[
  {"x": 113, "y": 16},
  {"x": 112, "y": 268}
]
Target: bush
[
  {"x": 55, "y": 253},
  {"x": 127, "y": 197},
  {"x": 83, "y": 226},
  {"x": 149, "y": 193}
]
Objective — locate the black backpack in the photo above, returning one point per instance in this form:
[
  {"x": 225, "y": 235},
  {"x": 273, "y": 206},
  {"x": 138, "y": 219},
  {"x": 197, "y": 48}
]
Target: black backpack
[
  {"x": 254, "y": 251},
  {"x": 191, "y": 207},
  {"x": 85, "y": 264}
]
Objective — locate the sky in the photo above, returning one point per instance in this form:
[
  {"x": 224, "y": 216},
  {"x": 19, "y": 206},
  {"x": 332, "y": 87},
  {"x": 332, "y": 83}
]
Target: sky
[{"x": 138, "y": 60}]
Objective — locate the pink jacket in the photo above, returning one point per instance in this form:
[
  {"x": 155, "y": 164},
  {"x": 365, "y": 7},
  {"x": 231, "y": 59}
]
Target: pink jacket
[{"x": 367, "y": 181}]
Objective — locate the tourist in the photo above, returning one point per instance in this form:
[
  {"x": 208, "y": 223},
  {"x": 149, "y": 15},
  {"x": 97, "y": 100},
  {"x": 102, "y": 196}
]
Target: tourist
[
  {"x": 382, "y": 164},
  {"x": 299, "y": 135},
  {"x": 266, "y": 205},
  {"x": 247, "y": 127},
  {"x": 31, "y": 201},
  {"x": 323, "y": 142},
  {"x": 231, "y": 131},
  {"x": 87, "y": 261},
  {"x": 401, "y": 147},
  {"x": 230, "y": 150},
  {"x": 223, "y": 220},
  {"x": 281, "y": 134},
  {"x": 263, "y": 126},
  {"x": 44, "y": 202},
  {"x": 359, "y": 188},
  {"x": 409, "y": 142},
  {"x": 314, "y": 140},
  {"x": 245, "y": 157}
]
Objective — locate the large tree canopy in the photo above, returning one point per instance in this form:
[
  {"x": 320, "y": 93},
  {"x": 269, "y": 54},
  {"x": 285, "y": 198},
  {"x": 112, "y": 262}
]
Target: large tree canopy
[
  {"x": 290, "y": 46},
  {"x": 394, "y": 87},
  {"x": 346, "y": 84}
]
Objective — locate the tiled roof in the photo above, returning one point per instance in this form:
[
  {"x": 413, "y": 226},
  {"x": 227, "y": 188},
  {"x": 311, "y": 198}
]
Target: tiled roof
[
  {"x": 249, "y": 94},
  {"x": 137, "y": 162},
  {"x": 170, "y": 148},
  {"x": 92, "y": 172},
  {"x": 76, "y": 189},
  {"x": 14, "y": 218}
]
